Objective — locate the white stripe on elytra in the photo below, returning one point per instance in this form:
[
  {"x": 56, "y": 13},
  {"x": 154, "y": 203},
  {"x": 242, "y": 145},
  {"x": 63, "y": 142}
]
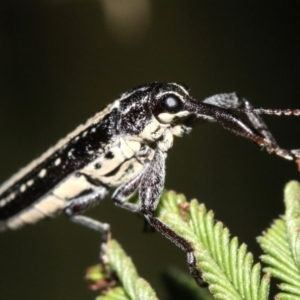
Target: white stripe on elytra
[{"x": 19, "y": 175}]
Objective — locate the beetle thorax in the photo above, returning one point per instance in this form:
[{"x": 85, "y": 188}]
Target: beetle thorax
[{"x": 162, "y": 134}]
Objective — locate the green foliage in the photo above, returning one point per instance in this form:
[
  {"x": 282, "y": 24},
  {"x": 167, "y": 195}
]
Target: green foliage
[
  {"x": 281, "y": 244},
  {"x": 130, "y": 287},
  {"x": 226, "y": 266}
]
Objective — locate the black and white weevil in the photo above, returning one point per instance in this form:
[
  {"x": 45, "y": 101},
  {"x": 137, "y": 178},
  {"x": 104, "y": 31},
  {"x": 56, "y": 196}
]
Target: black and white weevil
[{"x": 124, "y": 147}]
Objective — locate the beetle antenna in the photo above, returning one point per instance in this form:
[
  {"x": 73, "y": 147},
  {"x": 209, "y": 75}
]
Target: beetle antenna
[{"x": 274, "y": 112}]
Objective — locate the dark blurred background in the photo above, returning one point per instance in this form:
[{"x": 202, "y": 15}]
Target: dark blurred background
[{"x": 62, "y": 61}]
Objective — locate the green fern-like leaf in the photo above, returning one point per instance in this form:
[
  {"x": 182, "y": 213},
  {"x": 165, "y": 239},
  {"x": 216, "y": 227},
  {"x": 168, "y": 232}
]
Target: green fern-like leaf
[
  {"x": 281, "y": 243},
  {"x": 131, "y": 287},
  {"x": 227, "y": 267}
]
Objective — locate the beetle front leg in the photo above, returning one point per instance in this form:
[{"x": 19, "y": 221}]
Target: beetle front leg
[
  {"x": 258, "y": 123},
  {"x": 150, "y": 190},
  {"x": 234, "y": 103}
]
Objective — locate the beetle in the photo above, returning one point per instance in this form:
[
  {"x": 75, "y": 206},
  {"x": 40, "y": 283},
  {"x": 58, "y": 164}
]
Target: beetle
[{"x": 124, "y": 147}]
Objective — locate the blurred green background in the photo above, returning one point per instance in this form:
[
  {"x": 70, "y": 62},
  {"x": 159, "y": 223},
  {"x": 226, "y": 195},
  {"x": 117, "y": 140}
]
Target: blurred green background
[{"x": 62, "y": 61}]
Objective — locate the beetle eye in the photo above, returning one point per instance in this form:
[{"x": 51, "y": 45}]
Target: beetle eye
[{"x": 171, "y": 104}]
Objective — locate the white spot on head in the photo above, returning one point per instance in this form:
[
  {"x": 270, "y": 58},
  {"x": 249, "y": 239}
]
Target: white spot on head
[
  {"x": 42, "y": 173},
  {"x": 169, "y": 117},
  {"x": 23, "y": 188},
  {"x": 57, "y": 162}
]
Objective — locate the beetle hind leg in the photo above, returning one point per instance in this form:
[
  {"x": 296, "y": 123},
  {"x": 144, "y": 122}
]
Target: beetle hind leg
[{"x": 80, "y": 204}]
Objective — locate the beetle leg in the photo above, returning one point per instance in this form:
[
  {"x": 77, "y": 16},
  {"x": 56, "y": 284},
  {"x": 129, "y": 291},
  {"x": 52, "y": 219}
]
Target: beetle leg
[
  {"x": 150, "y": 190},
  {"x": 126, "y": 190},
  {"x": 82, "y": 203},
  {"x": 258, "y": 123},
  {"x": 233, "y": 102}
]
